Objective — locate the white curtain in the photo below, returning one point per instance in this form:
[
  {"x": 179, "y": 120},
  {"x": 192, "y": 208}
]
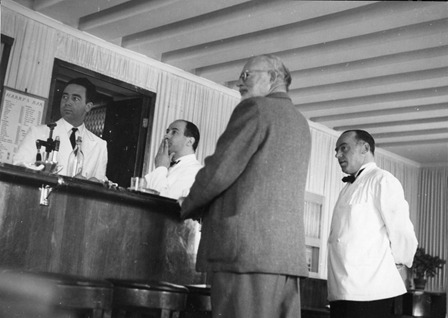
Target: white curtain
[
  {"x": 31, "y": 59},
  {"x": 433, "y": 219}
]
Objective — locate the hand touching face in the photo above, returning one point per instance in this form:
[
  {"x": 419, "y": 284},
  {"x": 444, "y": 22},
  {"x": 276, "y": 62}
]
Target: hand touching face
[{"x": 163, "y": 157}]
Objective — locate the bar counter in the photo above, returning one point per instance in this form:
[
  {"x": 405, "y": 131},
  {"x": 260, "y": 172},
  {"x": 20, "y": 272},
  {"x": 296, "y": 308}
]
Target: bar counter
[{"x": 91, "y": 230}]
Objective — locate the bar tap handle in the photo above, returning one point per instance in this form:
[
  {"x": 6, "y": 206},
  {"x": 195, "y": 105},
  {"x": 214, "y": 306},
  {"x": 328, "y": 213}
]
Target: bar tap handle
[
  {"x": 50, "y": 144},
  {"x": 38, "y": 155},
  {"x": 51, "y": 126}
]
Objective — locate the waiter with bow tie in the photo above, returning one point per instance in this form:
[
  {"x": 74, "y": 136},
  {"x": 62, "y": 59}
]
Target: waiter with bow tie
[
  {"x": 176, "y": 165},
  {"x": 371, "y": 234}
]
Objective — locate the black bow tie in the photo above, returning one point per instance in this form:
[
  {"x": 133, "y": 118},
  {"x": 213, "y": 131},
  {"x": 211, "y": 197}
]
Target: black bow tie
[
  {"x": 173, "y": 163},
  {"x": 351, "y": 178}
]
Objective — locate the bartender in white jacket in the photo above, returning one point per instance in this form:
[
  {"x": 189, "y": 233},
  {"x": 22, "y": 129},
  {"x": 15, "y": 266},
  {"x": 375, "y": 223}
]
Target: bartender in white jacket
[
  {"x": 371, "y": 234},
  {"x": 176, "y": 165},
  {"x": 76, "y": 101}
]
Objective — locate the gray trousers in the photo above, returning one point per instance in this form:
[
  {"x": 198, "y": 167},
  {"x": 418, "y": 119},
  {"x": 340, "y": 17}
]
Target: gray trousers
[{"x": 255, "y": 295}]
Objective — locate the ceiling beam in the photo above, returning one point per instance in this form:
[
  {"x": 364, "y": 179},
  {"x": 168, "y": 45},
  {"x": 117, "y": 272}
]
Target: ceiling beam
[
  {"x": 397, "y": 125},
  {"x": 413, "y": 133},
  {"x": 413, "y": 143},
  {"x": 40, "y": 5},
  {"x": 370, "y": 86},
  {"x": 433, "y": 95},
  {"x": 385, "y": 115}
]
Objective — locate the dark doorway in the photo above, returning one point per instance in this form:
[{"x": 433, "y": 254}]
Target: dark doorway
[
  {"x": 121, "y": 115},
  {"x": 122, "y": 131}
]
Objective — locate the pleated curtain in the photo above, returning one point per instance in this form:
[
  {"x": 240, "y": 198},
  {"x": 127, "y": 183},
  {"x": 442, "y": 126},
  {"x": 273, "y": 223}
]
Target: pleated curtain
[{"x": 433, "y": 219}]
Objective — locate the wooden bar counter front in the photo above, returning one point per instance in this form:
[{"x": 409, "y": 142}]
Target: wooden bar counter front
[{"x": 90, "y": 230}]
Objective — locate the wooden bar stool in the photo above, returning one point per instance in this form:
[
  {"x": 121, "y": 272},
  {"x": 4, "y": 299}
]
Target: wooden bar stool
[
  {"x": 78, "y": 296},
  {"x": 25, "y": 296},
  {"x": 140, "y": 298},
  {"x": 199, "y": 304},
  {"x": 71, "y": 296}
]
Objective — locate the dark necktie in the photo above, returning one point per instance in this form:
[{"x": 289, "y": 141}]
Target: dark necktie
[
  {"x": 173, "y": 163},
  {"x": 73, "y": 137},
  {"x": 351, "y": 178}
]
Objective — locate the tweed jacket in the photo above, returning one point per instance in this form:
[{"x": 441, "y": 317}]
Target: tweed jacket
[
  {"x": 93, "y": 147},
  {"x": 250, "y": 192}
]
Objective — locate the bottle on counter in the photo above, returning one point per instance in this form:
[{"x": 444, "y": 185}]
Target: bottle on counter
[
  {"x": 76, "y": 159},
  {"x": 55, "y": 152}
]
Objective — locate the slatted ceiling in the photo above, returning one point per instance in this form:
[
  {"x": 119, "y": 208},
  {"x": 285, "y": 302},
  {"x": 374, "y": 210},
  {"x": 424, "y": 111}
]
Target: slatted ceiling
[
  {"x": 147, "y": 15},
  {"x": 309, "y": 45},
  {"x": 246, "y": 22},
  {"x": 377, "y": 65},
  {"x": 69, "y": 12},
  {"x": 397, "y": 126},
  {"x": 381, "y": 66},
  {"x": 385, "y": 101},
  {"x": 426, "y": 79},
  {"x": 388, "y": 117},
  {"x": 217, "y": 25}
]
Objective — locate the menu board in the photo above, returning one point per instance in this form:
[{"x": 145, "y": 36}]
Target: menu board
[{"x": 19, "y": 111}]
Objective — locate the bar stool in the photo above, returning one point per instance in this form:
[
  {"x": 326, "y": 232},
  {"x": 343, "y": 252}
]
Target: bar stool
[
  {"x": 25, "y": 296},
  {"x": 199, "y": 304},
  {"x": 78, "y": 296},
  {"x": 141, "y": 298},
  {"x": 73, "y": 296}
]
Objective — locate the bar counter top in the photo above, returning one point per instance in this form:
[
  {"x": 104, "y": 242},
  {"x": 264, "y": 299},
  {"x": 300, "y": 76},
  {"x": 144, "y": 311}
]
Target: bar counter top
[
  {"x": 86, "y": 228},
  {"x": 22, "y": 175}
]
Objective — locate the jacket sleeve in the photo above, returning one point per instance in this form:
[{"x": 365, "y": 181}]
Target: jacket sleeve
[
  {"x": 395, "y": 213},
  {"x": 157, "y": 179},
  {"x": 100, "y": 172},
  {"x": 234, "y": 149},
  {"x": 97, "y": 160}
]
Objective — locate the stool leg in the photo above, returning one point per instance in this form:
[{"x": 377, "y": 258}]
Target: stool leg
[
  {"x": 166, "y": 313},
  {"x": 118, "y": 313},
  {"x": 100, "y": 313}
]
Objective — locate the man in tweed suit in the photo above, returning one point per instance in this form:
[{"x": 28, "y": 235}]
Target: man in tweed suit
[{"x": 250, "y": 197}]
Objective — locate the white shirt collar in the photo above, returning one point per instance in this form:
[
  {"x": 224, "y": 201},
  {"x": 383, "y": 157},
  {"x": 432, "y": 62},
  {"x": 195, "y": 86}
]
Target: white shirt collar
[
  {"x": 68, "y": 127},
  {"x": 366, "y": 166},
  {"x": 186, "y": 157}
]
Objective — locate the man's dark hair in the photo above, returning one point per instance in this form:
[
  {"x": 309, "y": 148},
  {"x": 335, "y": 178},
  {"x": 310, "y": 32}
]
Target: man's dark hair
[
  {"x": 191, "y": 130},
  {"x": 364, "y": 136},
  {"x": 88, "y": 85}
]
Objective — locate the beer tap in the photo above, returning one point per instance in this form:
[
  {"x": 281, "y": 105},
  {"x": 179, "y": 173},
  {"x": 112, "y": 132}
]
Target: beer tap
[
  {"x": 38, "y": 155},
  {"x": 50, "y": 144}
]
